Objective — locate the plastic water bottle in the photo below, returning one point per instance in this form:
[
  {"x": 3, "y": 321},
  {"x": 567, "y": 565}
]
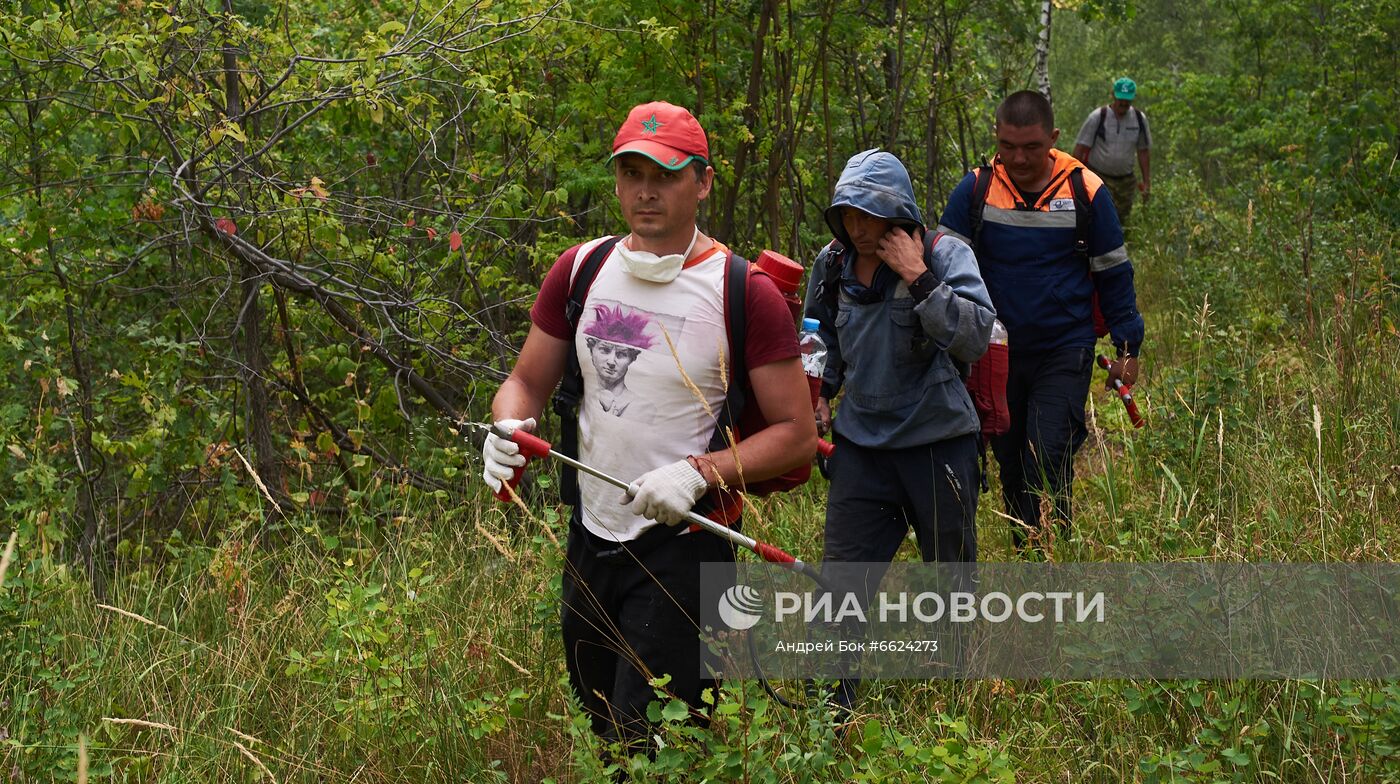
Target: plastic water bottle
[
  {"x": 999, "y": 336},
  {"x": 813, "y": 350}
]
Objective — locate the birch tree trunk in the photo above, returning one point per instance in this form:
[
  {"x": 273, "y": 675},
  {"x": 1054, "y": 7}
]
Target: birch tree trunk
[{"x": 1042, "y": 51}]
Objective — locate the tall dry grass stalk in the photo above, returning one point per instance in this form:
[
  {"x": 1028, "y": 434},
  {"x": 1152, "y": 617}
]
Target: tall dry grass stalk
[
  {"x": 520, "y": 503},
  {"x": 685, "y": 377},
  {"x": 133, "y": 616},
  {"x": 513, "y": 663},
  {"x": 246, "y": 736},
  {"x": 154, "y": 725},
  {"x": 257, "y": 480},
  {"x": 254, "y": 759},
  {"x": 498, "y": 544},
  {"x": 1321, "y": 511},
  {"x": 82, "y": 759},
  {"x": 730, "y": 436},
  {"x": 9, "y": 554}
]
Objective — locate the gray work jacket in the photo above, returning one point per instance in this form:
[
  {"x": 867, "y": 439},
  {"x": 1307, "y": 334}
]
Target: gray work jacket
[{"x": 894, "y": 358}]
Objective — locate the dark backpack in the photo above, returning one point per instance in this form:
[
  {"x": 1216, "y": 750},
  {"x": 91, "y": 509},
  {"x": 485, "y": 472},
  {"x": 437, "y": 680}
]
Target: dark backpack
[
  {"x": 985, "y": 379},
  {"x": 1083, "y": 225},
  {"x": 1103, "y": 115},
  {"x": 749, "y": 419}
]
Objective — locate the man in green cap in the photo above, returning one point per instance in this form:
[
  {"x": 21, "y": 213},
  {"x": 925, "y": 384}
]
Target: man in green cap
[{"x": 1108, "y": 141}]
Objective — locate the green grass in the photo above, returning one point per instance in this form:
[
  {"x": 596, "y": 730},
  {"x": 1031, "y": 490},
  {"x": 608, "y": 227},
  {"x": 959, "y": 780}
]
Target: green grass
[{"x": 411, "y": 646}]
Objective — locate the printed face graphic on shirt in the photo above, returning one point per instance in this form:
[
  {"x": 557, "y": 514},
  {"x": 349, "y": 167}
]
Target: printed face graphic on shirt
[
  {"x": 611, "y": 360},
  {"x": 617, "y": 337}
]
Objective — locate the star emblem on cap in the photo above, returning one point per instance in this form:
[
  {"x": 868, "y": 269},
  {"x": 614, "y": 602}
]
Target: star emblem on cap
[{"x": 651, "y": 126}]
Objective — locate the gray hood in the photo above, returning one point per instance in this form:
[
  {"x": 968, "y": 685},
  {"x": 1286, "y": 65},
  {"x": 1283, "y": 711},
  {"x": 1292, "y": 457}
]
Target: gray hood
[{"x": 877, "y": 183}]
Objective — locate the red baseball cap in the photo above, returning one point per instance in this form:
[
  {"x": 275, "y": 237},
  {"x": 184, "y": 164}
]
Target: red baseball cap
[{"x": 663, "y": 132}]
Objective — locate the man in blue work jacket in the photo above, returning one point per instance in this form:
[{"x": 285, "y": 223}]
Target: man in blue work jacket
[{"x": 1042, "y": 282}]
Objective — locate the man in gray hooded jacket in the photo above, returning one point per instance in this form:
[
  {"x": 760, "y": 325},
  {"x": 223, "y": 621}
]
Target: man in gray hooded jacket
[{"x": 897, "y": 322}]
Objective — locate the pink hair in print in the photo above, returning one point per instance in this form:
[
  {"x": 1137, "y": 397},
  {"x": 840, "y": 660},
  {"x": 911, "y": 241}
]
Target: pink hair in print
[{"x": 613, "y": 325}]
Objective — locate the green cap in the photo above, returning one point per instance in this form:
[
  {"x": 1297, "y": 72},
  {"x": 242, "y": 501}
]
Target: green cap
[{"x": 1125, "y": 89}]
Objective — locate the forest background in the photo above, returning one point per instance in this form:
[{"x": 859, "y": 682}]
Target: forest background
[{"x": 259, "y": 257}]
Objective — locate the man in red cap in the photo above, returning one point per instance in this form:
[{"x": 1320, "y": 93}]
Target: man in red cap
[{"x": 631, "y": 594}]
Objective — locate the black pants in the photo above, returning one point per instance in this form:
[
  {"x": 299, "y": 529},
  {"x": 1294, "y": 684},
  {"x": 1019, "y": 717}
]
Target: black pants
[
  {"x": 876, "y": 496},
  {"x": 631, "y": 613},
  {"x": 1046, "y": 392}
]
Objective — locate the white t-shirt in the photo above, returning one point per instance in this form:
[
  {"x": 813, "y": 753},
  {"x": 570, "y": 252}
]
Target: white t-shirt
[{"x": 637, "y": 411}]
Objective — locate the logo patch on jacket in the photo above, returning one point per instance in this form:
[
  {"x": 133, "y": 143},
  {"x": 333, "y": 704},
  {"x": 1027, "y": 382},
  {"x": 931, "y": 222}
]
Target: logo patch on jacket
[{"x": 1062, "y": 205}]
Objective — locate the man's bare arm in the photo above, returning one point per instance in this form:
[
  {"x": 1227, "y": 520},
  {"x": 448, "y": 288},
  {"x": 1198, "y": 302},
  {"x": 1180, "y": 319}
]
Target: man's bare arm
[
  {"x": 1081, "y": 151},
  {"x": 780, "y": 391},
  {"x": 532, "y": 380}
]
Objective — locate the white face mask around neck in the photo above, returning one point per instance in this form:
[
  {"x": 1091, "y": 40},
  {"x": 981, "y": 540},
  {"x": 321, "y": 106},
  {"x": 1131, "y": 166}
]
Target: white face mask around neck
[{"x": 645, "y": 265}]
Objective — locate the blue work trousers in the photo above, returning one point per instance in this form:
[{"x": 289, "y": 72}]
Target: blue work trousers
[{"x": 1046, "y": 392}]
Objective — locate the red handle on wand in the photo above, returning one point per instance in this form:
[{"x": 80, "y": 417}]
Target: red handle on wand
[
  {"x": 531, "y": 446},
  {"x": 1125, "y": 393}
]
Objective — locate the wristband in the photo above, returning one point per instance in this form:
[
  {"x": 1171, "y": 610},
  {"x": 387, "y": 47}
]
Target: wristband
[
  {"x": 698, "y": 462},
  {"x": 923, "y": 286}
]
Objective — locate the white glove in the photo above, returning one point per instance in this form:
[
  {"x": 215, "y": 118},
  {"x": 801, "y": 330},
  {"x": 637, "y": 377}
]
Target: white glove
[
  {"x": 665, "y": 494},
  {"x": 503, "y": 455}
]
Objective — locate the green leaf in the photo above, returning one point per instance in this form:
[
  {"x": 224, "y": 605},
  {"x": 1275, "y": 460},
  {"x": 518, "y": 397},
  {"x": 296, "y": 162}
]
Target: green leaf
[
  {"x": 1236, "y": 757},
  {"x": 391, "y": 28},
  {"x": 872, "y": 740},
  {"x": 234, "y": 132},
  {"x": 675, "y": 710}
]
